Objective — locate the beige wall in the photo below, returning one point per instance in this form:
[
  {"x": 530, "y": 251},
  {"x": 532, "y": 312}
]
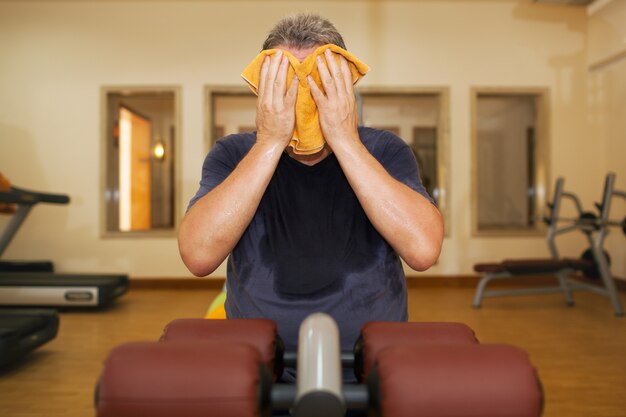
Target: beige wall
[{"x": 55, "y": 56}]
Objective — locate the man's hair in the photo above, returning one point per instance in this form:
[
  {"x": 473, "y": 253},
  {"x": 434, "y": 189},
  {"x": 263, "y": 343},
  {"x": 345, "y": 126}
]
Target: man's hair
[{"x": 303, "y": 30}]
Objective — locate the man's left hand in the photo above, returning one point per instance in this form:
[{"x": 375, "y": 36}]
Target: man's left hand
[{"x": 337, "y": 108}]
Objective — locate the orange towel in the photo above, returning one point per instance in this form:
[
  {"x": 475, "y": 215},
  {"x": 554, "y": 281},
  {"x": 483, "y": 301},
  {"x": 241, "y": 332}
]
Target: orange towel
[{"x": 307, "y": 135}]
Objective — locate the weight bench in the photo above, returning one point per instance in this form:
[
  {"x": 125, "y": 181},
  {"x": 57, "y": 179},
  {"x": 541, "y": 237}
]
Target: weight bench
[
  {"x": 594, "y": 262},
  {"x": 562, "y": 269}
]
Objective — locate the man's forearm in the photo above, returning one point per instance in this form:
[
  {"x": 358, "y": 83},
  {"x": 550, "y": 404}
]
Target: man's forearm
[
  {"x": 409, "y": 222},
  {"x": 216, "y": 222}
]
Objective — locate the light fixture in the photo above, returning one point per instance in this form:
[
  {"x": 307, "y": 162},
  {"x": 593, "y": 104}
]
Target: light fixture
[{"x": 159, "y": 150}]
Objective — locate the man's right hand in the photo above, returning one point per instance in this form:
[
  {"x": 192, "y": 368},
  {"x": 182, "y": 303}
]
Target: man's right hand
[{"x": 276, "y": 106}]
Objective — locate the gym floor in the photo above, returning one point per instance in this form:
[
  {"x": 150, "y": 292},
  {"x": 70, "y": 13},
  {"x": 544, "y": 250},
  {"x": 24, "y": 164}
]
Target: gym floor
[{"x": 580, "y": 352}]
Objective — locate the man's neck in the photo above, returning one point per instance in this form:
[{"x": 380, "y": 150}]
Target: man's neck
[{"x": 309, "y": 159}]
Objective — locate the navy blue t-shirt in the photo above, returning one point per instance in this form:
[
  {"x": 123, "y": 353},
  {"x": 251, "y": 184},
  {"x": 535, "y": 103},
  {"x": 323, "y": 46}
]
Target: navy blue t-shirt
[{"x": 310, "y": 247}]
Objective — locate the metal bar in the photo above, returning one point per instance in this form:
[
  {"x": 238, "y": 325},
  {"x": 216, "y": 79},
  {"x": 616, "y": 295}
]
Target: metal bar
[
  {"x": 583, "y": 286},
  {"x": 607, "y": 195},
  {"x": 356, "y": 396},
  {"x": 290, "y": 359},
  {"x": 556, "y": 207},
  {"x": 480, "y": 289},
  {"x": 282, "y": 396},
  {"x": 605, "y": 274},
  {"x": 564, "y": 283},
  {"x": 11, "y": 228},
  {"x": 566, "y": 230},
  {"x": 522, "y": 291},
  {"x": 598, "y": 247}
]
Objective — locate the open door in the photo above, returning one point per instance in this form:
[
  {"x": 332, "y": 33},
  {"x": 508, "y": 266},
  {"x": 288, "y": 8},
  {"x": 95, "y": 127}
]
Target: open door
[{"x": 134, "y": 171}]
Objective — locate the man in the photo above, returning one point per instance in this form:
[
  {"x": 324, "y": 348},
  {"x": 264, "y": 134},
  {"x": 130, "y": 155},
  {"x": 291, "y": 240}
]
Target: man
[{"x": 308, "y": 233}]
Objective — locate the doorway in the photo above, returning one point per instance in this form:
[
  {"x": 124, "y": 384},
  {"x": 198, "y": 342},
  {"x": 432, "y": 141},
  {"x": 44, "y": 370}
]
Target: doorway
[{"x": 134, "y": 170}]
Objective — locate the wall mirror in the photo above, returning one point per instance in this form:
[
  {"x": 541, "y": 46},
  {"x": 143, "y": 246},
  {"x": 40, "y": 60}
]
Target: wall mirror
[
  {"x": 140, "y": 135},
  {"x": 510, "y": 160}
]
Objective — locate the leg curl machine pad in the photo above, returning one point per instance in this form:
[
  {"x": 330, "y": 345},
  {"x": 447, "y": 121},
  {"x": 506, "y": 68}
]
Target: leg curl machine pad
[
  {"x": 454, "y": 381},
  {"x": 378, "y": 335},
  {"x": 259, "y": 333},
  {"x": 190, "y": 379}
]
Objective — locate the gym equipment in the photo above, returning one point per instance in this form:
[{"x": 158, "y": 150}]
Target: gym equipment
[
  {"x": 590, "y": 219},
  {"x": 34, "y": 284},
  {"x": 23, "y": 330},
  {"x": 377, "y": 336},
  {"x": 319, "y": 382},
  {"x": 594, "y": 262},
  {"x": 455, "y": 380},
  {"x": 206, "y": 368},
  {"x": 10, "y": 197},
  {"x": 592, "y": 270},
  {"x": 260, "y": 333},
  {"x": 46, "y": 289}
]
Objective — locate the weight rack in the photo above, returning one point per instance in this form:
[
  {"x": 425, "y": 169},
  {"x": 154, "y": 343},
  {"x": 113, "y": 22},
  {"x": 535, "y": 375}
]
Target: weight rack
[{"x": 595, "y": 230}]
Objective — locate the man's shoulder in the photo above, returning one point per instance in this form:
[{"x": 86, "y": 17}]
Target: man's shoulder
[
  {"x": 234, "y": 146},
  {"x": 378, "y": 141},
  {"x": 242, "y": 141}
]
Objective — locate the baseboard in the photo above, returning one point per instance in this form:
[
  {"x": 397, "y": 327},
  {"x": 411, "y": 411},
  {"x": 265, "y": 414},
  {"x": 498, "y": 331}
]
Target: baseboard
[{"x": 413, "y": 281}]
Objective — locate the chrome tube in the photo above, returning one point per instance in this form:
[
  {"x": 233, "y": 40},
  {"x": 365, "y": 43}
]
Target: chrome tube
[{"x": 319, "y": 383}]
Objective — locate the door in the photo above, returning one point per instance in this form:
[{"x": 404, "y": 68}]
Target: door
[{"x": 134, "y": 171}]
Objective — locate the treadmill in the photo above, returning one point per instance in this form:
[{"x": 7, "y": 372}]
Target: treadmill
[{"x": 34, "y": 283}]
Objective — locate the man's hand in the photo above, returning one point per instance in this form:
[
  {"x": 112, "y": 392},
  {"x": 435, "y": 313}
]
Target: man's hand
[
  {"x": 337, "y": 109},
  {"x": 276, "y": 106}
]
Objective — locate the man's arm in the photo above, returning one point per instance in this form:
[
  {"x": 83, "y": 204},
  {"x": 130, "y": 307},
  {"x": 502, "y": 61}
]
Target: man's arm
[
  {"x": 410, "y": 223},
  {"x": 215, "y": 223}
]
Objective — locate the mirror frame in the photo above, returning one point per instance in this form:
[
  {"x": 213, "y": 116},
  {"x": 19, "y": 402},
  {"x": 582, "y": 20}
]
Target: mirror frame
[{"x": 105, "y": 134}]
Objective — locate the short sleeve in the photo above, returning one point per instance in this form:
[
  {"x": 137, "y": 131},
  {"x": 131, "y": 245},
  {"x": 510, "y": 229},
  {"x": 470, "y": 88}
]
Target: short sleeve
[
  {"x": 396, "y": 156},
  {"x": 221, "y": 161}
]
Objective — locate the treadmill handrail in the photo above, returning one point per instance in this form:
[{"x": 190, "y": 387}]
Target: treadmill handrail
[{"x": 22, "y": 196}]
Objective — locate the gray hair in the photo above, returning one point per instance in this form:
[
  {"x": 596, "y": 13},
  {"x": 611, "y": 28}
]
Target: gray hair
[{"x": 301, "y": 31}]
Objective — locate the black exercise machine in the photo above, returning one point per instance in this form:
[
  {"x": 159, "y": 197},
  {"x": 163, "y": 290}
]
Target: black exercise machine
[
  {"x": 594, "y": 263},
  {"x": 23, "y": 330},
  {"x": 35, "y": 283}
]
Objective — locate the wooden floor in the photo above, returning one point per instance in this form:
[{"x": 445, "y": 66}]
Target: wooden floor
[{"x": 580, "y": 352}]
